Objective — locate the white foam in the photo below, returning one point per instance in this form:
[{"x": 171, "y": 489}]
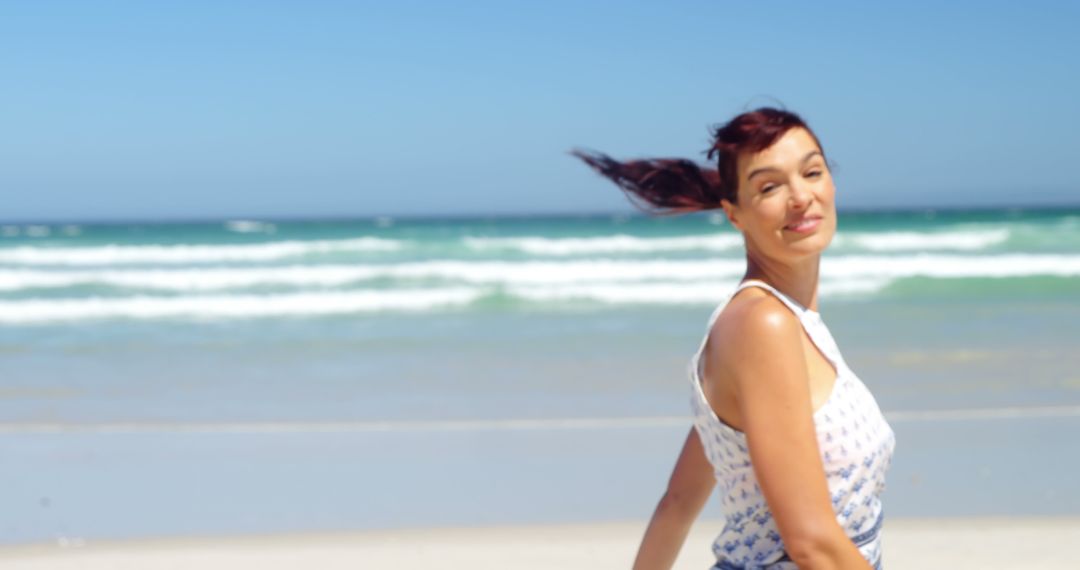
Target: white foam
[
  {"x": 950, "y": 266},
  {"x": 232, "y": 306},
  {"x": 853, "y": 272},
  {"x": 669, "y": 293},
  {"x": 585, "y": 271},
  {"x": 621, "y": 293},
  {"x": 540, "y": 246},
  {"x": 188, "y": 279},
  {"x": 607, "y": 244},
  {"x": 250, "y": 227},
  {"x": 183, "y": 254},
  {"x": 917, "y": 241},
  {"x": 239, "y": 306},
  {"x": 961, "y": 240},
  {"x": 496, "y": 272}
]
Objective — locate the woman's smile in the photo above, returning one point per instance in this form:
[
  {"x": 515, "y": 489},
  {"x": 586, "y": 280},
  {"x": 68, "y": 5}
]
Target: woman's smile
[{"x": 806, "y": 225}]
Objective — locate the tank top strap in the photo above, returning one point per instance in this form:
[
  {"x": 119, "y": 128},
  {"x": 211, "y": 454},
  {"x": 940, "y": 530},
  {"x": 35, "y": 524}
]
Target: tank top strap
[
  {"x": 799, "y": 310},
  {"x": 810, "y": 320}
]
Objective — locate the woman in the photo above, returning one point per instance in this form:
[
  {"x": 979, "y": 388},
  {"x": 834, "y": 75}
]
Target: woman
[{"x": 796, "y": 441}]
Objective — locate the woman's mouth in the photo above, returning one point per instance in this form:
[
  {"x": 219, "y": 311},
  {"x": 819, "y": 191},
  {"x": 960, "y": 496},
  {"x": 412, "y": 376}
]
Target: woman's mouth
[{"x": 805, "y": 225}]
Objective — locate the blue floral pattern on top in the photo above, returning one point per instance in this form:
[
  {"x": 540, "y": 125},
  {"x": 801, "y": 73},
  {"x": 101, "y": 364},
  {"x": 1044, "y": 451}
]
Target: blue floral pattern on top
[{"x": 856, "y": 446}]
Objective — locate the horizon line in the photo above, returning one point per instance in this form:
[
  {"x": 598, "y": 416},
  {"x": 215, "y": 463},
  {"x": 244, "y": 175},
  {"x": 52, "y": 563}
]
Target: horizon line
[{"x": 637, "y": 214}]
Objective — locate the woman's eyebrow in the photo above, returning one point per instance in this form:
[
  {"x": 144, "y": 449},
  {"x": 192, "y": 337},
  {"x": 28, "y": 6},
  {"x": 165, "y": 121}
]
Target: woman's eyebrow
[{"x": 808, "y": 156}]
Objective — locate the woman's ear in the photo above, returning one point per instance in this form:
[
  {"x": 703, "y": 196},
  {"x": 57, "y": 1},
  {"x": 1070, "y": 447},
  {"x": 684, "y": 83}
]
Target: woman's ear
[{"x": 730, "y": 212}]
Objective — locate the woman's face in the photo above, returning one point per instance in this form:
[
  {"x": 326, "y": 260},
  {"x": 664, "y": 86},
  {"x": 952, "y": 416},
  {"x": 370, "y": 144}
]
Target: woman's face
[{"x": 785, "y": 204}]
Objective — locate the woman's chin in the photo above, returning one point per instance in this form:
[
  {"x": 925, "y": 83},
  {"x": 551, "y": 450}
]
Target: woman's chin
[{"x": 814, "y": 244}]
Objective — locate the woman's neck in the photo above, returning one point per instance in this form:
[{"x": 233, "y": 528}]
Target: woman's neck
[{"x": 798, "y": 281}]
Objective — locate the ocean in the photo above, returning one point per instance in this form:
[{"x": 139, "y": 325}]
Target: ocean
[{"x": 249, "y": 376}]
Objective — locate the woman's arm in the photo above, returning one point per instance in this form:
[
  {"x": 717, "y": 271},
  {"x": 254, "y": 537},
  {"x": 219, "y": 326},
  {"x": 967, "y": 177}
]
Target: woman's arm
[
  {"x": 772, "y": 392},
  {"x": 688, "y": 489}
]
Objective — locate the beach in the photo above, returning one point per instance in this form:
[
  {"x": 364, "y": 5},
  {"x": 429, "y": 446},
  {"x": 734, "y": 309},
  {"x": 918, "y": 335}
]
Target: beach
[
  {"x": 426, "y": 285},
  {"x": 497, "y": 390},
  {"x": 915, "y": 544}
]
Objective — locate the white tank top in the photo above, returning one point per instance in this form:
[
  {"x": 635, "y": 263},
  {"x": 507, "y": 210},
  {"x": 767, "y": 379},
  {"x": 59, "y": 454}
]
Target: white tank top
[{"x": 856, "y": 445}]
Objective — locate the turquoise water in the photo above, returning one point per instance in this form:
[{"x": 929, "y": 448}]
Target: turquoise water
[
  {"x": 253, "y": 376},
  {"x": 249, "y": 269}
]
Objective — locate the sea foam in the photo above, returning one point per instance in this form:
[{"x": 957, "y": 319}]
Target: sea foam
[
  {"x": 908, "y": 241},
  {"x": 834, "y": 268},
  {"x": 231, "y": 306},
  {"x": 606, "y": 244},
  {"x": 185, "y": 254}
]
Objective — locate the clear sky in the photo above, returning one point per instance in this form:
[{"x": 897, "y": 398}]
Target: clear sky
[{"x": 218, "y": 109}]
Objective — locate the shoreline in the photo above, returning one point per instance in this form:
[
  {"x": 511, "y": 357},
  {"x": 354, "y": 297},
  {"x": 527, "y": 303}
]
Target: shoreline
[{"x": 916, "y": 543}]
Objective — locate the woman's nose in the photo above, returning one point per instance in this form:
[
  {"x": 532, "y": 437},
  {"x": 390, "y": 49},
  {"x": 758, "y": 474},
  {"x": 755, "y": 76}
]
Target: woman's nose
[{"x": 800, "y": 194}]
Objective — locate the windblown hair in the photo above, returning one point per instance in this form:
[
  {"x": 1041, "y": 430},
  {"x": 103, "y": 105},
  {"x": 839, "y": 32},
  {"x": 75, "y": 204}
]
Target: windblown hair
[{"x": 668, "y": 186}]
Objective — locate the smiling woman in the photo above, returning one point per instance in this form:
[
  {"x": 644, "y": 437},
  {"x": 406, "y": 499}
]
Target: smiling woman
[{"x": 795, "y": 439}]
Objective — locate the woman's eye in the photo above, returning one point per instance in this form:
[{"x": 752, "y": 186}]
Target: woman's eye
[
  {"x": 815, "y": 173},
  {"x": 768, "y": 187}
]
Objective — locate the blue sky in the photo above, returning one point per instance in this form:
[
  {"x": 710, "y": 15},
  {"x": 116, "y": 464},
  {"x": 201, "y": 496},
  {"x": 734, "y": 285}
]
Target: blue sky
[{"x": 150, "y": 110}]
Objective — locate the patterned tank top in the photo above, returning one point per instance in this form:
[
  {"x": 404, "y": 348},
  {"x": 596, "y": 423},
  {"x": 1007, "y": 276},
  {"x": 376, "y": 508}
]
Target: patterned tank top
[{"x": 856, "y": 445}]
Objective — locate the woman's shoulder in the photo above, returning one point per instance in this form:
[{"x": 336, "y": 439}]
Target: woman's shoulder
[
  {"x": 752, "y": 324},
  {"x": 753, "y": 312},
  {"x": 755, "y": 339}
]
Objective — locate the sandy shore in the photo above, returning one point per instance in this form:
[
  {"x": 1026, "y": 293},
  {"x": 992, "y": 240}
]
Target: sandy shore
[{"x": 910, "y": 544}]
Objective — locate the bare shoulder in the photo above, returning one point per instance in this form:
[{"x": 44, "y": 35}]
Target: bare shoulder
[
  {"x": 753, "y": 350},
  {"x": 753, "y": 324}
]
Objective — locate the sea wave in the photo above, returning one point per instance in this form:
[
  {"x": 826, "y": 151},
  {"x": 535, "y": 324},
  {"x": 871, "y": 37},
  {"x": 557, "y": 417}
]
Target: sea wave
[
  {"x": 838, "y": 268},
  {"x": 672, "y": 293},
  {"x": 250, "y": 227},
  {"x": 315, "y": 304},
  {"x": 39, "y": 231},
  {"x": 479, "y": 272},
  {"x": 502, "y": 295},
  {"x": 537, "y": 245},
  {"x": 232, "y": 306},
  {"x": 49, "y": 254},
  {"x": 952, "y": 266},
  {"x": 908, "y": 241},
  {"x": 184, "y": 254},
  {"x": 960, "y": 240}
]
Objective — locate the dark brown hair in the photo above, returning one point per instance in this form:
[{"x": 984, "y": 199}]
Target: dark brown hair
[{"x": 677, "y": 186}]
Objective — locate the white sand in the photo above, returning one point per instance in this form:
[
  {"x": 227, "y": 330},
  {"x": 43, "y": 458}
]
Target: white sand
[{"x": 909, "y": 544}]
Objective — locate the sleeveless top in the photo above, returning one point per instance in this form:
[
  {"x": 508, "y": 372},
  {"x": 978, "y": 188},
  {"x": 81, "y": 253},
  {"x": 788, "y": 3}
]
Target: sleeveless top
[{"x": 856, "y": 445}]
